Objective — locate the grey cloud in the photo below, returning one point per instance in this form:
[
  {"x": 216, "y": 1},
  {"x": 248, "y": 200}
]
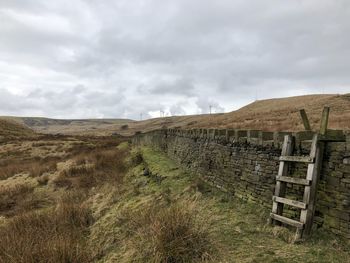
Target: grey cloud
[
  {"x": 12, "y": 103},
  {"x": 68, "y": 102},
  {"x": 122, "y": 58},
  {"x": 180, "y": 86},
  {"x": 177, "y": 109}
]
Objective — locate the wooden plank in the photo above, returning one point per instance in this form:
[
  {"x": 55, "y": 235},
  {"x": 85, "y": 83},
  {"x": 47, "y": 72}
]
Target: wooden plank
[
  {"x": 314, "y": 144},
  {"x": 299, "y": 159},
  {"x": 293, "y": 180},
  {"x": 324, "y": 121},
  {"x": 290, "y": 202},
  {"x": 304, "y": 135},
  {"x": 333, "y": 136},
  {"x": 287, "y": 220},
  {"x": 305, "y": 120}
]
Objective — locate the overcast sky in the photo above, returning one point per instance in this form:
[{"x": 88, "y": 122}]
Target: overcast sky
[{"x": 120, "y": 58}]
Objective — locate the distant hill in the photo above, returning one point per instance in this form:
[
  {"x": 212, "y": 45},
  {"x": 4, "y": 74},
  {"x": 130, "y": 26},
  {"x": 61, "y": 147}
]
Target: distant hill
[
  {"x": 280, "y": 114},
  {"x": 283, "y": 114},
  {"x": 41, "y": 122},
  {"x": 10, "y": 129},
  {"x": 71, "y": 126},
  {"x": 270, "y": 115}
]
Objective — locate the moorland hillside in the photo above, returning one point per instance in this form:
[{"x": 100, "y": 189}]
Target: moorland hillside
[{"x": 281, "y": 114}]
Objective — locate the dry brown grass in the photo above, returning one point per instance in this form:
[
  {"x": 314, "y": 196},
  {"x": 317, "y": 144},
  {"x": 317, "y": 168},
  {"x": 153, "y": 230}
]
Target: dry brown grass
[
  {"x": 170, "y": 234},
  {"x": 36, "y": 224},
  {"x": 34, "y": 167},
  {"x": 55, "y": 235},
  {"x": 21, "y": 198},
  {"x": 43, "y": 180},
  {"x": 93, "y": 168},
  {"x": 17, "y": 161},
  {"x": 80, "y": 170},
  {"x": 10, "y": 130}
]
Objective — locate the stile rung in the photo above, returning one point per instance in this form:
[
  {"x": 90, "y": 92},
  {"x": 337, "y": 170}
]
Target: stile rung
[
  {"x": 290, "y": 202},
  {"x": 298, "y": 159},
  {"x": 287, "y": 220},
  {"x": 293, "y": 180}
]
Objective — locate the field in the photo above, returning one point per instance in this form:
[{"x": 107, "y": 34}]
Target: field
[
  {"x": 269, "y": 115},
  {"x": 80, "y": 192},
  {"x": 101, "y": 199}
]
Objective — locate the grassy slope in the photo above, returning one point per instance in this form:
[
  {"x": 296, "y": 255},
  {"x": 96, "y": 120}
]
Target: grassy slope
[
  {"x": 283, "y": 114},
  {"x": 73, "y": 126},
  {"x": 10, "y": 130},
  {"x": 238, "y": 228},
  {"x": 271, "y": 115}
]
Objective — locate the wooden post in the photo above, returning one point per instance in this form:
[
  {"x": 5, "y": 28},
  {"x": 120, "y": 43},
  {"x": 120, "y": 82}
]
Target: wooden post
[
  {"x": 305, "y": 120},
  {"x": 324, "y": 121}
]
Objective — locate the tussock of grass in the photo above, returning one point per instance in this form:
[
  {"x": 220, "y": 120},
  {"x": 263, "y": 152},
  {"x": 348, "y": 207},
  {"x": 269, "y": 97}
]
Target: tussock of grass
[
  {"x": 21, "y": 198},
  {"x": 171, "y": 234},
  {"x": 34, "y": 167},
  {"x": 94, "y": 168},
  {"x": 80, "y": 170},
  {"x": 10, "y": 196},
  {"x": 43, "y": 180},
  {"x": 54, "y": 235}
]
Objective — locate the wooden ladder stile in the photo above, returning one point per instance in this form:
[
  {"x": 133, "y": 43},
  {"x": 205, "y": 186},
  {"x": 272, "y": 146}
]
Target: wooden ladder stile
[
  {"x": 307, "y": 206},
  {"x": 314, "y": 165}
]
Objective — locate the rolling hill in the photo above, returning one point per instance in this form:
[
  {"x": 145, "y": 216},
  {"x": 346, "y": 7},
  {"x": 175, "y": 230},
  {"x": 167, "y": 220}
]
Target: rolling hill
[
  {"x": 270, "y": 115},
  {"x": 10, "y": 129},
  {"x": 280, "y": 114}
]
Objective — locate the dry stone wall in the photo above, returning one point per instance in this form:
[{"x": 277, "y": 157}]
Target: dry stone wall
[{"x": 245, "y": 164}]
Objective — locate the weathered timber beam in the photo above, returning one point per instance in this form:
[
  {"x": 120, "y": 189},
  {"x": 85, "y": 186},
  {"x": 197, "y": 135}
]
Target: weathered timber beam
[
  {"x": 333, "y": 136},
  {"x": 305, "y": 120},
  {"x": 324, "y": 121}
]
